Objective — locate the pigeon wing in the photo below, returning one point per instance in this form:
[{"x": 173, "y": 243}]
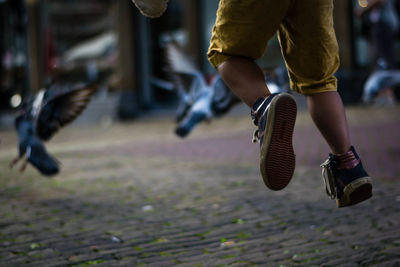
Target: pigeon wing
[
  {"x": 180, "y": 68},
  {"x": 62, "y": 109},
  {"x": 222, "y": 99},
  {"x": 178, "y": 61}
]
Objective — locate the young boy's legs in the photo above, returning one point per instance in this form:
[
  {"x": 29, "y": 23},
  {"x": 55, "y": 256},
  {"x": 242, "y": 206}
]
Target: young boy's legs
[
  {"x": 326, "y": 109},
  {"x": 311, "y": 63}
]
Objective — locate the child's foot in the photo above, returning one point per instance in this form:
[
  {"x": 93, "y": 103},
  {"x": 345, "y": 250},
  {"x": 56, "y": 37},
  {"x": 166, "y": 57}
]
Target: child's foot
[
  {"x": 345, "y": 179},
  {"x": 275, "y": 117}
]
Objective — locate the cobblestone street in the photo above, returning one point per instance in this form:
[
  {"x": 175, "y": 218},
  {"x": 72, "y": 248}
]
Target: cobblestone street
[{"x": 134, "y": 194}]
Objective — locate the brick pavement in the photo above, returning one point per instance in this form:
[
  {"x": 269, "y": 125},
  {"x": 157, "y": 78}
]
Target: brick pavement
[{"x": 134, "y": 195}]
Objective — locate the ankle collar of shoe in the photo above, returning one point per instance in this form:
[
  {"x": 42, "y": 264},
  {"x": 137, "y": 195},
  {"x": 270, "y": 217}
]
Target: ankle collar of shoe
[{"x": 347, "y": 160}]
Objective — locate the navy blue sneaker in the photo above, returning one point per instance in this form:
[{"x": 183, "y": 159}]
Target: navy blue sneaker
[
  {"x": 345, "y": 179},
  {"x": 275, "y": 117}
]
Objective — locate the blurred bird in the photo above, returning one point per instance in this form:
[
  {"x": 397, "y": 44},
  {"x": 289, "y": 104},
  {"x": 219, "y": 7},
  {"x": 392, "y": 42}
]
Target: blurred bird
[
  {"x": 211, "y": 100},
  {"x": 199, "y": 110},
  {"x": 182, "y": 70},
  {"x": 378, "y": 81},
  {"x": 41, "y": 117},
  {"x": 199, "y": 100}
]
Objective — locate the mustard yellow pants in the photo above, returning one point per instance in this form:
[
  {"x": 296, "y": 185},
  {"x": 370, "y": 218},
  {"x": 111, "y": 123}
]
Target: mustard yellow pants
[{"x": 305, "y": 32}]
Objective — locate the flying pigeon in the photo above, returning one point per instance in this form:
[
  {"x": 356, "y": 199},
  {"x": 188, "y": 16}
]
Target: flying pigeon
[
  {"x": 210, "y": 100},
  {"x": 199, "y": 99},
  {"x": 181, "y": 69},
  {"x": 41, "y": 117}
]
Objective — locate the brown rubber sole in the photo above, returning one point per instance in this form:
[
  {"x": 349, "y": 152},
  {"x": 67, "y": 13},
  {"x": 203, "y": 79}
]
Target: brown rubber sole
[
  {"x": 277, "y": 160},
  {"x": 356, "y": 192}
]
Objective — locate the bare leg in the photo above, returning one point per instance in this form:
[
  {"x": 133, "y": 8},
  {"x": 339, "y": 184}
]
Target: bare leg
[
  {"x": 13, "y": 162},
  {"x": 327, "y": 111},
  {"x": 23, "y": 166},
  {"x": 245, "y": 78}
]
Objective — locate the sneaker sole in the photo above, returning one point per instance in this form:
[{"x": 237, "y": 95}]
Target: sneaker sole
[
  {"x": 277, "y": 160},
  {"x": 356, "y": 192}
]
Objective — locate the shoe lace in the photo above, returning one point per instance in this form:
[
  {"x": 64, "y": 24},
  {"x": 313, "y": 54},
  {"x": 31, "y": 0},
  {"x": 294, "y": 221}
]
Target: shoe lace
[
  {"x": 328, "y": 177},
  {"x": 256, "y": 136}
]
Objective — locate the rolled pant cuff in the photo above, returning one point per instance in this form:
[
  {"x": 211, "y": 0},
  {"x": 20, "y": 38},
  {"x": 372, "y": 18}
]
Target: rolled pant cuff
[{"x": 216, "y": 58}]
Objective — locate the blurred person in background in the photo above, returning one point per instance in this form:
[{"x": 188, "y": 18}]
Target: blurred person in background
[{"x": 381, "y": 26}]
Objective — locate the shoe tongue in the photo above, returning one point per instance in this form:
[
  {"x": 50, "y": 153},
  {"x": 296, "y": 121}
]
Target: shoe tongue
[
  {"x": 259, "y": 107},
  {"x": 258, "y": 103},
  {"x": 255, "y": 111},
  {"x": 347, "y": 160}
]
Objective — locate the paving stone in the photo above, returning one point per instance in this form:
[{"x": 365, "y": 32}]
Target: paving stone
[{"x": 134, "y": 194}]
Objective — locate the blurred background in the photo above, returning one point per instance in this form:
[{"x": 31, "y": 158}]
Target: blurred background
[
  {"x": 131, "y": 194},
  {"x": 68, "y": 40}
]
